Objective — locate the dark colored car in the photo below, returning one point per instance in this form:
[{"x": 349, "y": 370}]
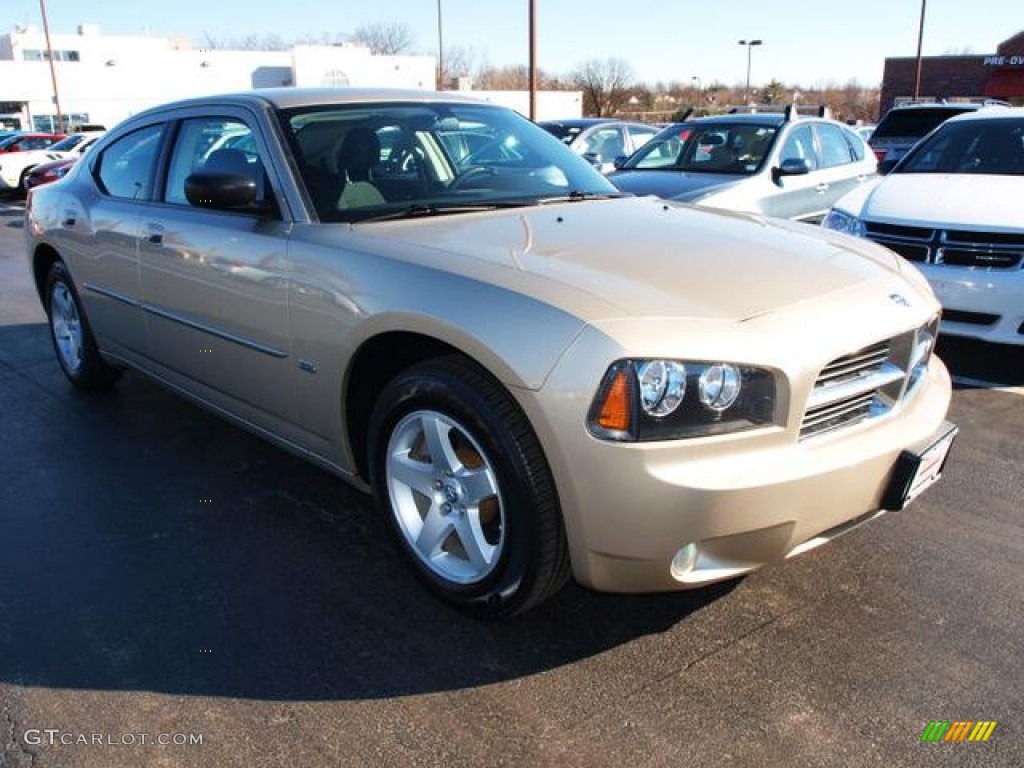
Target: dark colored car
[
  {"x": 49, "y": 172},
  {"x": 903, "y": 126},
  {"x": 772, "y": 163},
  {"x": 600, "y": 140}
]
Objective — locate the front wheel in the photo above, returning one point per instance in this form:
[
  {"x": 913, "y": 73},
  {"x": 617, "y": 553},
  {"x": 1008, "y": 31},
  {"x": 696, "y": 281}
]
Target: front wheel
[
  {"x": 72, "y": 338},
  {"x": 468, "y": 494}
]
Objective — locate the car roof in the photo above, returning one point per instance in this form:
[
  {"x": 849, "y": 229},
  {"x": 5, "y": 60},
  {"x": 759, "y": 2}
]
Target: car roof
[
  {"x": 990, "y": 113},
  {"x": 581, "y": 122},
  {"x": 757, "y": 118},
  {"x": 289, "y": 97}
]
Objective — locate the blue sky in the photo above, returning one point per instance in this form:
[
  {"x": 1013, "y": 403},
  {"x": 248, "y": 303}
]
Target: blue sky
[{"x": 806, "y": 42}]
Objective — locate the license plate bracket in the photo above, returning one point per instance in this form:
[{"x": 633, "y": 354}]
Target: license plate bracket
[{"x": 918, "y": 468}]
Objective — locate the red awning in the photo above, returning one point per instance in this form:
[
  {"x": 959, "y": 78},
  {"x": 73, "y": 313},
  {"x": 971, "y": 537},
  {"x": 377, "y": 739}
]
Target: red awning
[{"x": 1005, "y": 84}]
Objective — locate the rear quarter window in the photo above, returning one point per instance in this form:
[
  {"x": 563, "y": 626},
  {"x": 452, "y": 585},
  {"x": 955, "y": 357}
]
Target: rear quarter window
[{"x": 125, "y": 168}]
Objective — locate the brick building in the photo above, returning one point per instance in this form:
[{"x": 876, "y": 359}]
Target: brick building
[{"x": 996, "y": 76}]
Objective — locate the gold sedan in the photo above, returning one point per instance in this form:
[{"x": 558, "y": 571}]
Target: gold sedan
[{"x": 535, "y": 375}]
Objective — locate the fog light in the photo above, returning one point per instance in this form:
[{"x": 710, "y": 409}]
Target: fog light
[{"x": 684, "y": 561}]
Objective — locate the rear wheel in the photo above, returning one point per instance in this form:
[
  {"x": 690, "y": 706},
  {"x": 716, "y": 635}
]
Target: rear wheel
[
  {"x": 466, "y": 489},
  {"x": 72, "y": 338}
]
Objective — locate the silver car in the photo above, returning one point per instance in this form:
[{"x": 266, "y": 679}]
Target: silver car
[
  {"x": 777, "y": 164},
  {"x": 438, "y": 301}
]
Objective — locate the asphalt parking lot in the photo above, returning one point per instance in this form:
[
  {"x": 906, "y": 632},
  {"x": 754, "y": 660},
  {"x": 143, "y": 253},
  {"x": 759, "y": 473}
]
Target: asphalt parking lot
[{"x": 165, "y": 574}]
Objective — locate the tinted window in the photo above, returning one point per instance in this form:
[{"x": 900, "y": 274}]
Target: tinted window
[
  {"x": 834, "y": 148},
  {"x": 800, "y": 145},
  {"x": 913, "y": 123},
  {"x": 125, "y": 168},
  {"x": 214, "y": 143},
  {"x": 977, "y": 146}
]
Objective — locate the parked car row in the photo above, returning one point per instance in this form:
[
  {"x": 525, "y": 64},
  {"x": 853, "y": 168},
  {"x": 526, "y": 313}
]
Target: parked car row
[
  {"x": 952, "y": 208},
  {"x": 534, "y": 373},
  {"x": 17, "y": 167}
]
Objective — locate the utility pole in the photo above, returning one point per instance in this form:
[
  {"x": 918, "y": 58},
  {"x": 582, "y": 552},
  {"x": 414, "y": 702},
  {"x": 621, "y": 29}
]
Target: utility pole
[
  {"x": 533, "y": 59},
  {"x": 53, "y": 69},
  {"x": 920, "y": 39}
]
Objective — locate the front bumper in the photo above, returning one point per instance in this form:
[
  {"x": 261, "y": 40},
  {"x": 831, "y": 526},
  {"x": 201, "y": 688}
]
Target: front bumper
[
  {"x": 672, "y": 515},
  {"x": 986, "y": 304}
]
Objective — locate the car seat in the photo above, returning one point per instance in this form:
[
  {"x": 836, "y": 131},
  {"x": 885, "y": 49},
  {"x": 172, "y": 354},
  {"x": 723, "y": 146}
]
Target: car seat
[{"x": 359, "y": 152}]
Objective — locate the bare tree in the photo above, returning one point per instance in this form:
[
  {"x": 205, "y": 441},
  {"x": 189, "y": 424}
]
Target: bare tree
[
  {"x": 385, "y": 39},
  {"x": 459, "y": 61},
  {"x": 250, "y": 42},
  {"x": 606, "y": 85}
]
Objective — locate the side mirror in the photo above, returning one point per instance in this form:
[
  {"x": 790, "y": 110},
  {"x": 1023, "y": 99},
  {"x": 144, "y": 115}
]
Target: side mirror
[
  {"x": 220, "y": 189},
  {"x": 791, "y": 166},
  {"x": 619, "y": 161},
  {"x": 886, "y": 166}
]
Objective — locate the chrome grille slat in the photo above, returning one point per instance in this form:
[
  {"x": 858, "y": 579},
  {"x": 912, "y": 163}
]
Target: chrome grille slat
[
  {"x": 865, "y": 384},
  {"x": 851, "y": 365},
  {"x": 955, "y": 248}
]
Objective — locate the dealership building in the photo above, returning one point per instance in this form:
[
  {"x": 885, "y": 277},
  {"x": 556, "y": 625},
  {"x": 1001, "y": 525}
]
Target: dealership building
[
  {"x": 998, "y": 75},
  {"x": 103, "y": 79}
]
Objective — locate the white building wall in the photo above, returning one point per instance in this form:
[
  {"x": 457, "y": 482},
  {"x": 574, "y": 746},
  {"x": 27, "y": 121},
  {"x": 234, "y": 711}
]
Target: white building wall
[{"x": 116, "y": 77}]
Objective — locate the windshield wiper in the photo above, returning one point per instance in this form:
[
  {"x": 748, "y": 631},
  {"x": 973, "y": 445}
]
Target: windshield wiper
[
  {"x": 440, "y": 209},
  {"x": 578, "y": 195}
]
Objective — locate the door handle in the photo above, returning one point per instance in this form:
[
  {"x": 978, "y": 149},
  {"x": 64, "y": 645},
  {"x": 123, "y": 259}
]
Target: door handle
[
  {"x": 69, "y": 219},
  {"x": 155, "y": 233},
  {"x": 822, "y": 187}
]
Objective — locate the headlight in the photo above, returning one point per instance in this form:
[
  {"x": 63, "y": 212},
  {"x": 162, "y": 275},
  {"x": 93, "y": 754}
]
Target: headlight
[
  {"x": 841, "y": 221},
  {"x": 655, "y": 399}
]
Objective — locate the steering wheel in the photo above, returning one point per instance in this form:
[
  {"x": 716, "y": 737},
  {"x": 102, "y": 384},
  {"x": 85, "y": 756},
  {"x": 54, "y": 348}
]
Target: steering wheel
[{"x": 476, "y": 172}]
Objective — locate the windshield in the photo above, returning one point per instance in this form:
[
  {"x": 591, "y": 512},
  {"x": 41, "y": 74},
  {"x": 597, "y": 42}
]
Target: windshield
[
  {"x": 736, "y": 149},
  {"x": 67, "y": 143},
  {"x": 6, "y": 142},
  {"x": 384, "y": 160},
  {"x": 913, "y": 123},
  {"x": 973, "y": 146}
]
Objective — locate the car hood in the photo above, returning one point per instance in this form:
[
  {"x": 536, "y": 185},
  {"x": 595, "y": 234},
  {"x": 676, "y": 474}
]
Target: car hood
[
  {"x": 677, "y": 185},
  {"x": 639, "y": 257},
  {"x": 959, "y": 200}
]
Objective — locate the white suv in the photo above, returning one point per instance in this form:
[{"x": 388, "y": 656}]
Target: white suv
[{"x": 953, "y": 207}]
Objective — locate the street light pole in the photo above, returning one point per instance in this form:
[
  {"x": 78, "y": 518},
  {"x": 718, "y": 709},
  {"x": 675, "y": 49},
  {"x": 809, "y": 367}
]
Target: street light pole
[
  {"x": 750, "y": 44},
  {"x": 700, "y": 90}
]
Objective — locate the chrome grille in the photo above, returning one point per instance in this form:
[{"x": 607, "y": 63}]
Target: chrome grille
[
  {"x": 951, "y": 247},
  {"x": 867, "y": 383}
]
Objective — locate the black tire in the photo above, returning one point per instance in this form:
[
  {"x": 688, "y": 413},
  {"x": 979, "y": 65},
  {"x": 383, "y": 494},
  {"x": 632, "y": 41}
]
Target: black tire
[
  {"x": 80, "y": 360},
  {"x": 530, "y": 560},
  {"x": 21, "y": 191}
]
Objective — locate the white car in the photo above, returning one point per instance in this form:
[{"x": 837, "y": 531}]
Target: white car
[
  {"x": 15, "y": 166},
  {"x": 955, "y": 207}
]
